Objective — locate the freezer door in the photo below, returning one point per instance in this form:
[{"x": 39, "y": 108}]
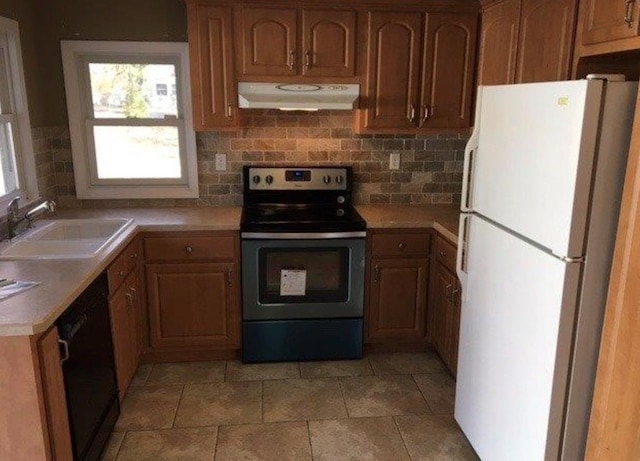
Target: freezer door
[
  {"x": 518, "y": 309},
  {"x": 531, "y": 157}
]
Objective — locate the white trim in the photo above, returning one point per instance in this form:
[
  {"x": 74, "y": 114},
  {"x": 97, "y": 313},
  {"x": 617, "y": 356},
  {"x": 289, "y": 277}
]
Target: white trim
[
  {"x": 25, "y": 157},
  {"x": 72, "y": 51}
]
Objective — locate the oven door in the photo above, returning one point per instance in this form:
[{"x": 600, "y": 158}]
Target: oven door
[{"x": 303, "y": 279}]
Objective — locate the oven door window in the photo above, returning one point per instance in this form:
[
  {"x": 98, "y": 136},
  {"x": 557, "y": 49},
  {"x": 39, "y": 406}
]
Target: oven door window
[{"x": 321, "y": 275}]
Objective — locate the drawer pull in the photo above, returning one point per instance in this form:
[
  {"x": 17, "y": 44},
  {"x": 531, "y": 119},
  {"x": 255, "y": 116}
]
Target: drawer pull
[
  {"x": 402, "y": 245},
  {"x": 188, "y": 249},
  {"x": 376, "y": 274},
  {"x": 628, "y": 16},
  {"x": 134, "y": 256},
  {"x": 442, "y": 254},
  {"x": 230, "y": 277}
]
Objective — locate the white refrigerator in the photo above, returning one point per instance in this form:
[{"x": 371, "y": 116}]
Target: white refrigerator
[{"x": 544, "y": 171}]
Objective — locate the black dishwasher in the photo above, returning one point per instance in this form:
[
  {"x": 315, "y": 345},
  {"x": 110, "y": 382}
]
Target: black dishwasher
[{"x": 89, "y": 370}]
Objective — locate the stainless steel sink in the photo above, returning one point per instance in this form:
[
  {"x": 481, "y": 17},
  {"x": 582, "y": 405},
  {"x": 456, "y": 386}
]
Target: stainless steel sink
[{"x": 66, "y": 239}]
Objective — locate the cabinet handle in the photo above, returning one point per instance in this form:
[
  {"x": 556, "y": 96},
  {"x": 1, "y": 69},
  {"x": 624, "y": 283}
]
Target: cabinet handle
[
  {"x": 229, "y": 112},
  {"x": 188, "y": 249},
  {"x": 442, "y": 254},
  {"x": 628, "y": 16},
  {"x": 426, "y": 113},
  {"x": 121, "y": 274},
  {"x": 412, "y": 113},
  {"x": 402, "y": 245},
  {"x": 230, "y": 277},
  {"x": 376, "y": 274},
  {"x": 129, "y": 297},
  {"x": 65, "y": 350},
  {"x": 448, "y": 292},
  {"x": 292, "y": 60},
  {"x": 307, "y": 59},
  {"x": 134, "y": 256},
  {"x": 454, "y": 292},
  {"x": 134, "y": 294}
]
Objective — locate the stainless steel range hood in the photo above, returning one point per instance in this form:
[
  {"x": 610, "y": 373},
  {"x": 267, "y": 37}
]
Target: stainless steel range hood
[{"x": 293, "y": 96}]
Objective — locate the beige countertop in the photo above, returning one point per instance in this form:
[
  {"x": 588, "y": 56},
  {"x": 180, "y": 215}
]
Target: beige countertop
[
  {"x": 61, "y": 281},
  {"x": 443, "y": 218}
]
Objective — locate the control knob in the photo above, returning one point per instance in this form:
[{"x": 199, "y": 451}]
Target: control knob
[
  {"x": 269, "y": 179},
  {"x": 326, "y": 179},
  {"x": 339, "y": 179},
  {"x": 256, "y": 179}
]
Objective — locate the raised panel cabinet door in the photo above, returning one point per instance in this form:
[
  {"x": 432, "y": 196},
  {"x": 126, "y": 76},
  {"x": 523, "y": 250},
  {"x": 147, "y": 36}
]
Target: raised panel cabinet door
[
  {"x": 499, "y": 43},
  {"x": 398, "y": 298},
  {"x": 393, "y": 73},
  {"x": 609, "y": 20},
  {"x": 448, "y": 70},
  {"x": 269, "y": 40},
  {"x": 443, "y": 284},
  {"x": 213, "y": 87},
  {"x": 55, "y": 397},
  {"x": 120, "y": 315},
  {"x": 193, "y": 304},
  {"x": 546, "y": 40},
  {"x": 328, "y": 43}
]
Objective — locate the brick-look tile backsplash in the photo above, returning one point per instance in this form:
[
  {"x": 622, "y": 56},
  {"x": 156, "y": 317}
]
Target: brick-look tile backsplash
[{"x": 430, "y": 167}]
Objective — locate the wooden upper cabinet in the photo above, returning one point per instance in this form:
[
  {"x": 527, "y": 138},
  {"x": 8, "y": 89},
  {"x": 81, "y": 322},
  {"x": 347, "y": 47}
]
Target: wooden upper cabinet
[
  {"x": 546, "y": 40},
  {"x": 499, "y": 43},
  {"x": 393, "y": 70},
  {"x": 213, "y": 84},
  {"x": 449, "y": 63},
  {"x": 268, "y": 39},
  {"x": 328, "y": 43},
  {"x": 609, "y": 20}
]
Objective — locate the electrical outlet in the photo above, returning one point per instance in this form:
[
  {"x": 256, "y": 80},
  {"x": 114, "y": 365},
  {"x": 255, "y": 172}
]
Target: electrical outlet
[
  {"x": 394, "y": 161},
  {"x": 221, "y": 162}
]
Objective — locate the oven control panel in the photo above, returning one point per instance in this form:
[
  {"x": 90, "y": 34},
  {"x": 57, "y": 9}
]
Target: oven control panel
[{"x": 316, "y": 178}]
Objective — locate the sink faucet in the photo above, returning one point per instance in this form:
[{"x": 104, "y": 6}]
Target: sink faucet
[{"x": 14, "y": 219}]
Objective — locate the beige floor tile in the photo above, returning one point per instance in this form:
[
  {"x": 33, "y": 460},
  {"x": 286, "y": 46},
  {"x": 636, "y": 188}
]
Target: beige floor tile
[
  {"x": 382, "y": 396},
  {"x": 220, "y": 403},
  {"x": 113, "y": 445},
  {"x": 238, "y": 371},
  {"x": 264, "y": 442},
  {"x": 149, "y": 407},
  {"x": 187, "y": 372},
  {"x": 434, "y": 438},
  {"x": 439, "y": 390},
  {"x": 170, "y": 445},
  {"x": 404, "y": 363},
  {"x": 335, "y": 368},
  {"x": 141, "y": 375},
  {"x": 303, "y": 399},
  {"x": 359, "y": 439}
]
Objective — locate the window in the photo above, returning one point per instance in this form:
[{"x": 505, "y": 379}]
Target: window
[
  {"x": 17, "y": 163},
  {"x": 130, "y": 138}
]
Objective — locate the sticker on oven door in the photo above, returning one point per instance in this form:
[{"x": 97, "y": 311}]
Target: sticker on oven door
[{"x": 293, "y": 282}]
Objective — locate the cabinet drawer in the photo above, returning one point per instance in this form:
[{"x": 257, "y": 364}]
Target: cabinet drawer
[
  {"x": 222, "y": 248},
  {"x": 446, "y": 253},
  {"x": 406, "y": 245}
]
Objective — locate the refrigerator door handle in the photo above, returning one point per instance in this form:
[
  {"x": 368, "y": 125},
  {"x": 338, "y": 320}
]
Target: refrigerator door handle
[
  {"x": 461, "y": 257},
  {"x": 470, "y": 153}
]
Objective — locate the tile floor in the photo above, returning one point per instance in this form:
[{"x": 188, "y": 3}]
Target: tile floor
[{"x": 387, "y": 407}]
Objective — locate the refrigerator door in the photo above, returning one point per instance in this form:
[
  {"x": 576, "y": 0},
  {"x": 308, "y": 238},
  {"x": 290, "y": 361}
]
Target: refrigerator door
[
  {"x": 518, "y": 310},
  {"x": 530, "y": 160}
]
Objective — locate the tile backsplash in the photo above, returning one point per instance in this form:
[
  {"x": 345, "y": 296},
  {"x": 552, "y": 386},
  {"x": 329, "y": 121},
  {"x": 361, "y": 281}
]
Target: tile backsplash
[{"x": 430, "y": 166}]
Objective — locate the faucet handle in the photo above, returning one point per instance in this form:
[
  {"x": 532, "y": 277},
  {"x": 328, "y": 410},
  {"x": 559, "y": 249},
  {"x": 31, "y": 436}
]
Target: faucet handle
[{"x": 13, "y": 205}]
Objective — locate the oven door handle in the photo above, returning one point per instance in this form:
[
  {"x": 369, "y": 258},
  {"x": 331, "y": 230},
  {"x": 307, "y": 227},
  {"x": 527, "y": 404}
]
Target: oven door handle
[{"x": 302, "y": 235}]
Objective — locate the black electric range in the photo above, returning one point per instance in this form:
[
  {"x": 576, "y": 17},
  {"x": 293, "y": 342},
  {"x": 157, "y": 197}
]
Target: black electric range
[{"x": 303, "y": 265}]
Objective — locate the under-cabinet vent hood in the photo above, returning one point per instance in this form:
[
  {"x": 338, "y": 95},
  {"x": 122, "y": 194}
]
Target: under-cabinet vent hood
[{"x": 294, "y": 96}]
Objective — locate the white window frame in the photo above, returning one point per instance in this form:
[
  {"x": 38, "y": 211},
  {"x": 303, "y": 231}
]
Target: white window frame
[
  {"x": 27, "y": 180},
  {"x": 76, "y": 56}
]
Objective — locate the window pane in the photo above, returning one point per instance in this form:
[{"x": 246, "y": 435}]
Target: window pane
[
  {"x": 133, "y": 90},
  {"x": 137, "y": 152},
  {"x": 8, "y": 173}
]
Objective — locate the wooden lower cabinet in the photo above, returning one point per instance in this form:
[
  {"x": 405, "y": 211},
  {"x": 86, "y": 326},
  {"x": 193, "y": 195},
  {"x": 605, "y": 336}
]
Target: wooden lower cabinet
[
  {"x": 193, "y": 304},
  {"x": 445, "y": 315},
  {"x": 398, "y": 299},
  {"x": 54, "y": 397}
]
